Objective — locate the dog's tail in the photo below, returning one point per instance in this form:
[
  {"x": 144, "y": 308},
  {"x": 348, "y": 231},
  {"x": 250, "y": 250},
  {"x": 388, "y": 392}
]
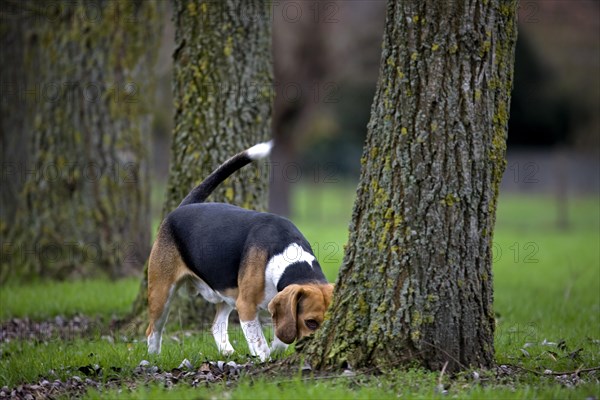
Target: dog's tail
[{"x": 203, "y": 190}]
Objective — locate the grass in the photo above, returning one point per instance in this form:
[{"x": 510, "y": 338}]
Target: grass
[
  {"x": 323, "y": 217},
  {"x": 547, "y": 290},
  {"x": 64, "y": 358},
  {"x": 547, "y": 283},
  {"x": 90, "y": 297},
  {"x": 361, "y": 387},
  {"x": 412, "y": 384}
]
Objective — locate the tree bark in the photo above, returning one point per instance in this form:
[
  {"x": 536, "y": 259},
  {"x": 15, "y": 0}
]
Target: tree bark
[
  {"x": 13, "y": 133},
  {"x": 222, "y": 90},
  {"x": 84, "y": 206},
  {"x": 416, "y": 281}
]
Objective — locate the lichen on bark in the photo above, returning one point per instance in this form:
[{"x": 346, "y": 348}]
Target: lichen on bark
[
  {"x": 416, "y": 281},
  {"x": 83, "y": 209}
]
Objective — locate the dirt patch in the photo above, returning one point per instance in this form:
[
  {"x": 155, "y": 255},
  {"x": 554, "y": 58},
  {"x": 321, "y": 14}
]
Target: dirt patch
[
  {"x": 94, "y": 377},
  {"x": 56, "y": 328}
]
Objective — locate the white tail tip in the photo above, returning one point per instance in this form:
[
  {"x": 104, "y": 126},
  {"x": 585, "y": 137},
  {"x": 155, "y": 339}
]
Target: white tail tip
[{"x": 260, "y": 150}]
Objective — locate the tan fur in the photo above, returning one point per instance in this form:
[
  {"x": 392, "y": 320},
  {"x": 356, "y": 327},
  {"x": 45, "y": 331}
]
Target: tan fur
[
  {"x": 295, "y": 305},
  {"x": 251, "y": 284},
  {"x": 233, "y": 293},
  {"x": 166, "y": 270}
]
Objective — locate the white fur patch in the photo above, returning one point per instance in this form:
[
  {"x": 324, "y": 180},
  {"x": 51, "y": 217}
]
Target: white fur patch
[
  {"x": 260, "y": 150},
  {"x": 278, "y": 346},
  {"x": 154, "y": 342},
  {"x": 219, "y": 330},
  {"x": 256, "y": 339},
  {"x": 277, "y": 265}
]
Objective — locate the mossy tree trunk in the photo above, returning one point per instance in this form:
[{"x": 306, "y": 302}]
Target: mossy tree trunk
[
  {"x": 416, "y": 281},
  {"x": 222, "y": 90},
  {"x": 13, "y": 118},
  {"x": 83, "y": 209}
]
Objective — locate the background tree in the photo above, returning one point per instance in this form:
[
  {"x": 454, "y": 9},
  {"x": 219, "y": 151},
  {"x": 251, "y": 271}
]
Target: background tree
[
  {"x": 222, "y": 90},
  {"x": 13, "y": 138},
  {"x": 300, "y": 61},
  {"x": 83, "y": 207},
  {"x": 416, "y": 282}
]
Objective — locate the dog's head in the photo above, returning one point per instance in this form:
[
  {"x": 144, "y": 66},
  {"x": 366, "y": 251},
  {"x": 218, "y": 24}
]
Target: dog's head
[{"x": 299, "y": 310}]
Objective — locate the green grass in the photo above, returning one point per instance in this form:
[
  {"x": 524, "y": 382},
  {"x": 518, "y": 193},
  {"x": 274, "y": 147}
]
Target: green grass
[
  {"x": 411, "y": 384},
  {"x": 64, "y": 357},
  {"x": 546, "y": 287},
  {"x": 323, "y": 217},
  {"x": 414, "y": 382},
  {"x": 90, "y": 297},
  {"x": 547, "y": 282}
]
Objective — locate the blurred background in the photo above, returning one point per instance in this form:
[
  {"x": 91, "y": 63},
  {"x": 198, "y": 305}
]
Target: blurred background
[
  {"x": 326, "y": 58},
  {"x": 325, "y": 71}
]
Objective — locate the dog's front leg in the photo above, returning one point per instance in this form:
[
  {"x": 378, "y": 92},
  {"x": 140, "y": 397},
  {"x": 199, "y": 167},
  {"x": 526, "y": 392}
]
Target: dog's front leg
[
  {"x": 252, "y": 329},
  {"x": 278, "y": 346},
  {"x": 256, "y": 339},
  {"x": 219, "y": 329}
]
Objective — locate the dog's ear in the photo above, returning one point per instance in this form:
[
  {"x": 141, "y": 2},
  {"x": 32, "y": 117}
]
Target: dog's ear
[
  {"x": 327, "y": 293},
  {"x": 284, "y": 311}
]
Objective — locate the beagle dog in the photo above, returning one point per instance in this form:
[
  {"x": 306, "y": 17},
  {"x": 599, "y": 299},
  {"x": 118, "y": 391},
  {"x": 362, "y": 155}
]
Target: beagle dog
[{"x": 238, "y": 259}]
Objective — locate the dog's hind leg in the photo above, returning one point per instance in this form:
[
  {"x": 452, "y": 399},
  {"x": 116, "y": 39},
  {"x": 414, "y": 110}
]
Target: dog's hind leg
[
  {"x": 159, "y": 301},
  {"x": 219, "y": 328},
  {"x": 166, "y": 272}
]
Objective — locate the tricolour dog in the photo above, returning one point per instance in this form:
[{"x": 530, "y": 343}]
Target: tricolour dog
[{"x": 237, "y": 258}]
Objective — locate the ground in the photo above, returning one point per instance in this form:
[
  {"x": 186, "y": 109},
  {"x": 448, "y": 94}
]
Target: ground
[{"x": 60, "y": 339}]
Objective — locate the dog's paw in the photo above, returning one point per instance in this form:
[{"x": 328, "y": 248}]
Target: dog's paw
[
  {"x": 264, "y": 356},
  {"x": 154, "y": 342},
  {"x": 226, "y": 349},
  {"x": 261, "y": 350}
]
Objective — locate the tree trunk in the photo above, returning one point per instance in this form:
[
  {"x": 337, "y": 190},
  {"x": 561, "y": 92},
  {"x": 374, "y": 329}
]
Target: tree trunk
[
  {"x": 416, "y": 281},
  {"x": 300, "y": 61},
  {"x": 13, "y": 138},
  {"x": 222, "y": 91},
  {"x": 84, "y": 205}
]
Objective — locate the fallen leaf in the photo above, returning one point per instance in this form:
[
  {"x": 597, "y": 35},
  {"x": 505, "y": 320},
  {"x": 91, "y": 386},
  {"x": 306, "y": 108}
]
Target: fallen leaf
[
  {"x": 562, "y": 345},
  {"x": 552, "y": 355},
  {"x": 204, "y": 368},
  {"x": 186, "y": 364},
  {"x": 574, "y": 355}
]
